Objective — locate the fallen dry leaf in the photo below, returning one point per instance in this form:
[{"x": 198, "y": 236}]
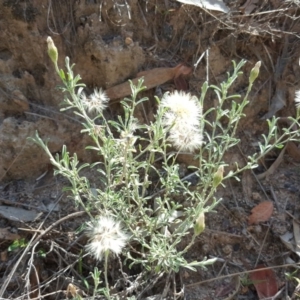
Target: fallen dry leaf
[
  {"x": 18, "y": 214},
  {"x": 5, "y": 234},
  {"x": 261, "y": 212},
  {"x": 264, "y": 281},
  {"x": 292, "y": 240},
  {"x": 181, "y": 84},
  {"x": 3, "y": 256},
  {"x": 289, "y": 241},
  {"x": 249, "y": 6},
  {"x": 296, "y": 227},
  {"x": 217, "y": 5},
  {"x": 293, "y": 151},
  {"x": 152, "y": 78}
]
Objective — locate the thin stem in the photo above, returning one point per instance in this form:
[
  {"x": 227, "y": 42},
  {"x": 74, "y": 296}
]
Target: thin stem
[
  {"x": 191, "y": 243},
  {"x": 105, "y": 272}
]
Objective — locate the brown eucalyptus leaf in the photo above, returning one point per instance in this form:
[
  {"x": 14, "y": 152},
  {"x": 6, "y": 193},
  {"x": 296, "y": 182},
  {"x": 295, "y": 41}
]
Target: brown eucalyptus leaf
[
  {"x": 264, "y": 281},
  {"x": 152, "y": 78},
  {"x": 261, "y": 212},
  {"x": 181, "y": 84}
]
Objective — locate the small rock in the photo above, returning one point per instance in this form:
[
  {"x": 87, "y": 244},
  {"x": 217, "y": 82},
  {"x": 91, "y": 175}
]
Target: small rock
[
  {"x": 205, "y": 248},
  {"x": 227, "y": 250},
  {"x": 53, "y": 195},
  {"x": 182, "y": 170},
  {"x": 256, "y": 196}
]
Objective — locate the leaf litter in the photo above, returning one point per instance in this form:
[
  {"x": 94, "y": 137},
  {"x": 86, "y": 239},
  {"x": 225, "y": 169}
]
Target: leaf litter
[
  {"x": 261, "y": 213},
  {"x": 228, "y": 226},
  {"x": 264, "y": 281}
]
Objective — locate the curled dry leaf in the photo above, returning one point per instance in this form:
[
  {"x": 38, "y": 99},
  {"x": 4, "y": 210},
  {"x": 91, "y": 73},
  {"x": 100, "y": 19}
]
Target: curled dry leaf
[
  {"x": 292, "y": 240},
  {"x": 261, "y": 212},
  {"x": 264, "y": 281},
  {"x": 277, "y": 102},
  {"x": 152, "y": 78},
  {"x": 274, "y": 166},
  {"x": 217, "y": 5},
  {"x": 179, "y": 78}
]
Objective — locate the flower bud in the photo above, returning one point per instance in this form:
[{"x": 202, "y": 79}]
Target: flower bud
[
  {"x": 200, "y": 224},
  {"x": 52, "y": 50},
  {"x": 218, "y": 176},
  {"x": 254, "y": 72}
]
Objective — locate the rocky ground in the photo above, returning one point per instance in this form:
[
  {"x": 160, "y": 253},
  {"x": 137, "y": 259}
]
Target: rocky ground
[{"x": 110, "y": 42}]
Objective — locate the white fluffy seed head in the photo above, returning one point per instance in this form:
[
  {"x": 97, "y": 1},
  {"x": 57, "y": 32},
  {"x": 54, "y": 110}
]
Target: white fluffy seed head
[
  {"x": 182, "y": 106},
  {"x": 182, "y": 120},
  {"x": 297, "y": 99},
  {"x": 105, "y": 234},
  {"x": 96, "y": 102}
]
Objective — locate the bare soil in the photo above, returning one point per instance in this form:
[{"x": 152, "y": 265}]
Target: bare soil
[{"x": 110, "y": 42}]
